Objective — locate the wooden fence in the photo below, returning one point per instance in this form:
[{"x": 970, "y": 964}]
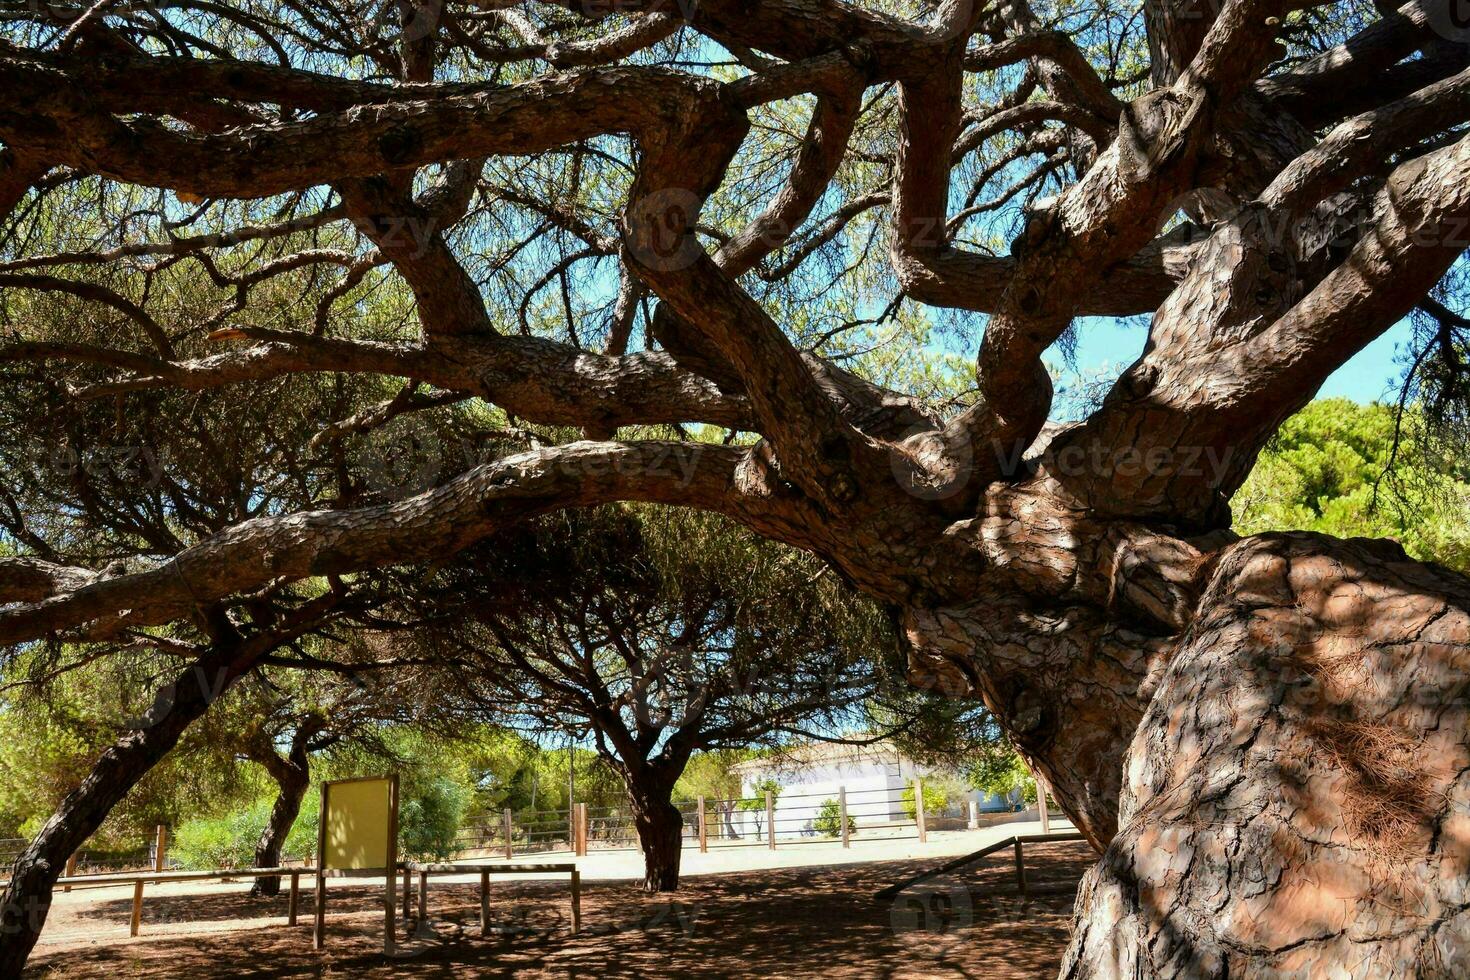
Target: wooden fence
[
  {"x": 154, "y": 855},
  {"x": 770, "y": 820}
]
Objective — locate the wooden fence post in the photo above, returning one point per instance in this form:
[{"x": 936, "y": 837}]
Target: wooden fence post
[
  {"x": 407, "y": 894},
  {"x": 919, "y": 809},
  {"x": 160, "y": 849},
  {"x": 484, "y": 903},
  {"x": 842, "y": 814},
  {"x": 71, "y": 870},
  {"x": 770, "y": 820},
  {"x": 509, "y": 831},
  {"x": 1042, "y": 808},
  {"x": 703, "y": 829},
  {"x": 583, "y": 828},
  {"x": 1020, "y": 869},
  {"x": 576, "y": 901},
  {"x": 293, "y": 905},
  {"x": 390, "y": 907},
  {"x": 136, "y": 924},
  {"x": 319, "y": 912}
]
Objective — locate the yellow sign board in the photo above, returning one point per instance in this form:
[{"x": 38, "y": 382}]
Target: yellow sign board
[{"x": 359, "y": 824}]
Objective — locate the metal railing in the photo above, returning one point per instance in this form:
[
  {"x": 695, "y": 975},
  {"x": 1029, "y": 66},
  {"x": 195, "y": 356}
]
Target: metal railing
[{"x": 802, "y": 818}]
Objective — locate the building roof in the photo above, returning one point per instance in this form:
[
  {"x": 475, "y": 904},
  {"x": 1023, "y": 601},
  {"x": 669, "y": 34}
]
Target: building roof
[{"x": 799, "y": 756}]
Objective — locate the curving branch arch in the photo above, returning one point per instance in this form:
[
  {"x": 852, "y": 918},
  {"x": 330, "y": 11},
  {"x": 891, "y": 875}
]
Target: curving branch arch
[{"x": 311, "y": 195}]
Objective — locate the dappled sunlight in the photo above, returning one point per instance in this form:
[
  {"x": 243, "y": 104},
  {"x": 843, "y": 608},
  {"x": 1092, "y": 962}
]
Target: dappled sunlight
[
  {"x": 1300, "y": 779},
  {"x": 778, "y": 923}
]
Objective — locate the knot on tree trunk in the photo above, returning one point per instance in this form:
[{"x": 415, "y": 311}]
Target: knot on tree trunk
[{"x": 1064, "y": 630}]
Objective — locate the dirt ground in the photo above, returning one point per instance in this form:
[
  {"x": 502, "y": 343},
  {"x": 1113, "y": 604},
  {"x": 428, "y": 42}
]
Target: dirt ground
[{"x": 781, "y": 922}]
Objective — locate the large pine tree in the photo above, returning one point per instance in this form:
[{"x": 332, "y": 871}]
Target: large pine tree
[{"x": 619, "y": 217}]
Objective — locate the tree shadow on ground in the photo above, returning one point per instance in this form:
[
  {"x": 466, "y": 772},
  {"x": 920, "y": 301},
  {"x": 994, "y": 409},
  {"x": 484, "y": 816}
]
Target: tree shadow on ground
[{"x": 819, "y": 921}]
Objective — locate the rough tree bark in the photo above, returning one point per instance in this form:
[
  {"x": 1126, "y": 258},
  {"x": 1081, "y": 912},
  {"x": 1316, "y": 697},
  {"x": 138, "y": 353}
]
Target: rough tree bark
[
  {"x": 726, "y": 810},
  {"x": 1295, "y": 795},
  {"x": 1265, "y": 738},
  {"x": 292, "y": 775},
  {"x": 658, "y": 823},
  {"x": 660, "y": 828}
]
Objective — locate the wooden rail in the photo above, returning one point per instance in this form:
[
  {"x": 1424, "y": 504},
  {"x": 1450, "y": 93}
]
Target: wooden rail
[
  {"x": 423, "y": 871},
  {"x": 128, "y": 877},
  {"x": 892, "y": 891},
  {"x": 139, "y": 879}
]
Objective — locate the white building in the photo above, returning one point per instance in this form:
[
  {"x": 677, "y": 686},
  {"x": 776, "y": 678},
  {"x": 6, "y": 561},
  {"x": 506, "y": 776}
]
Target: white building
[{"x": 874, "y": 778}]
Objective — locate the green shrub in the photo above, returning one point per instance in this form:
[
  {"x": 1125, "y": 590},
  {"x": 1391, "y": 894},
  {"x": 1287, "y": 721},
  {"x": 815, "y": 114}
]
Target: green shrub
[
  {"x": 219, "y": 842},
  {"x": 430, "y": 821},
  {"x": 936, "y": 798},
  {"x": 229, "y": 841},
  {"x": 301, "y": 840},
  {"x": 829, "y": 820},
  {"x": 1000, "y": 770}
]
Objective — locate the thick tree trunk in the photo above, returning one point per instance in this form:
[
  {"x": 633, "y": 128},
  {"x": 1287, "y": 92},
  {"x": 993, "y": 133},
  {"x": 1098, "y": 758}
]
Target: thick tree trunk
[
  {"x": 1268, "y": 739},
  {"x": 1064, "y": 635},
  {"x": 1297, "y": 796},
  {"x": 292, "y": 777},
  {"x": 660, "y": 829},
  {"x": 27, "y": 898}
]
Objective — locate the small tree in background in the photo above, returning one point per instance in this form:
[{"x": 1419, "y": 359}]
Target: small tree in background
[
  {"x": 280, "y": 719},
  {"x": 54, "y": 718},
  {"x": 656, "y": 633},
  {"x": 997, "y": 768},
  {"x": 709, "y": 774},
  {"x": 938, "y": 792},
  {"x": 429, "y": 821},
  {"x": 756, "y": 803},
  {"x": 828, "y": 821}
]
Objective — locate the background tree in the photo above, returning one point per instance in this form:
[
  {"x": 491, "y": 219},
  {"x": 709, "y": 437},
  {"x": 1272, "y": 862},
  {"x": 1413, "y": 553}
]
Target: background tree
[
  {"x": 708, "y": 774},
  {"x": 656, "y": 634},
  {"x": 52, "y": 728},
  {"x": 1000, "y": 770},
  {"x": 124, "y": 488},
  {"x": 543, "y": 778},
  {"x": 280, "y": 719},
  {"x": 828, "y": 820},
  {"x": 939, "y": 793},
  {"x": 703, "y": 216},
  {"x": 1361, "y": 471},
  {"x": 756, "y": 802}
]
